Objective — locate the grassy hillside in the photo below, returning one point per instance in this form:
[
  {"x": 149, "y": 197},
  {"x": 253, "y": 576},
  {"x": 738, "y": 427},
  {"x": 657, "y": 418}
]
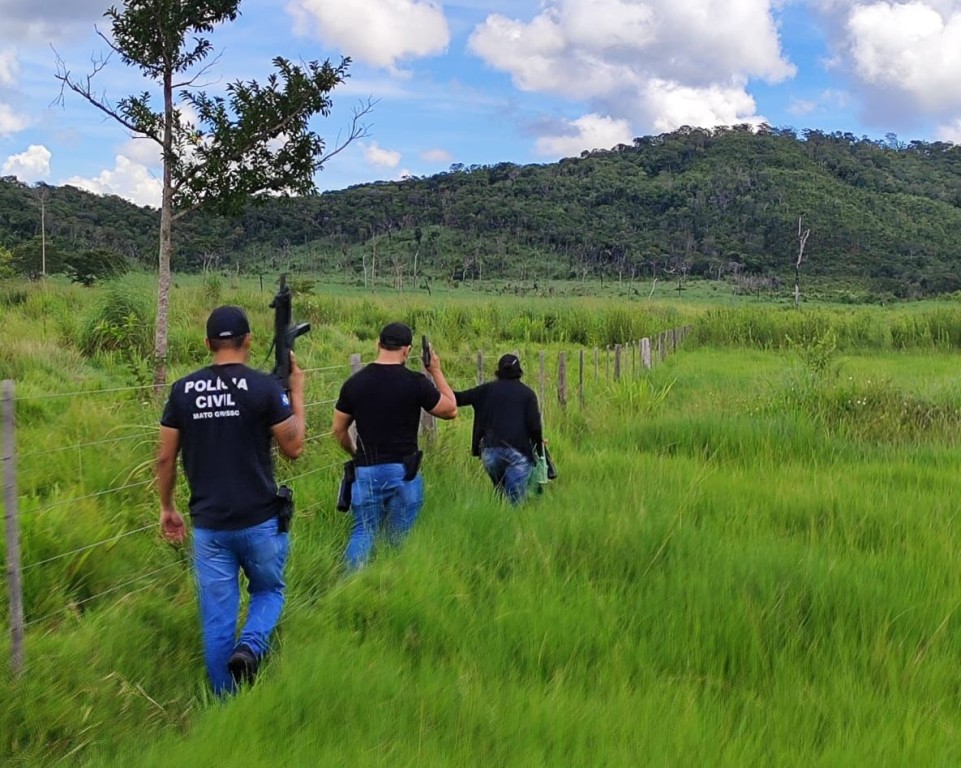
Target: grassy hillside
[{"x": 748, "y": 557}]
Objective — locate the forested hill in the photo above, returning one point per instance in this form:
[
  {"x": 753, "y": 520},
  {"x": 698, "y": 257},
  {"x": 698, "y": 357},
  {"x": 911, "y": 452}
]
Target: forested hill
[{"x": 692, "y": 201}]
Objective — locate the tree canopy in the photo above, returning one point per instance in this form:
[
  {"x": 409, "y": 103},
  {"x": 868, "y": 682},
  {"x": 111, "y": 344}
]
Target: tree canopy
[{"x": 700, "y": 202}]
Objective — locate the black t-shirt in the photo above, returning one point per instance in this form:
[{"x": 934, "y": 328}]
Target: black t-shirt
[
  {"x": 224, "y": 423},
  {"x": 505, "y": 414},
  {"x": 385, "y": 401}
]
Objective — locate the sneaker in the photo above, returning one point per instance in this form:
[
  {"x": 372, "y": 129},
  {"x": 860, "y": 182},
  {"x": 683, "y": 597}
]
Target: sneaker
[{"x": 242, "y": 665}]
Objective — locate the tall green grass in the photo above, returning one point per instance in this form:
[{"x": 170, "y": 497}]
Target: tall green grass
[{"x": 748, "y": 558}]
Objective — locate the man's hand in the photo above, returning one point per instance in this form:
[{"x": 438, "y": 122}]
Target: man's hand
[
  {"x": 172, "y": 526},
  {"x": 296, "y": 379},
  {"x": 434, "y": 368}
]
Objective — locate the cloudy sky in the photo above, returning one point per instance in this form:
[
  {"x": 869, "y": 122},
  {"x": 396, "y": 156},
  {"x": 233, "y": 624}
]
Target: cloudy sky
[{"x": 484, "y": 81}]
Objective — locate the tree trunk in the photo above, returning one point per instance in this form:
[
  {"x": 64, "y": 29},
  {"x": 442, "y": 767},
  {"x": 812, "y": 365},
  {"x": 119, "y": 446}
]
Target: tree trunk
[{"x": 166, "y": 218}]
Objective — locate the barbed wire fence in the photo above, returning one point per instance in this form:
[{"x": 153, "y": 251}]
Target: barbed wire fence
[{"x": 612, "y": 363}]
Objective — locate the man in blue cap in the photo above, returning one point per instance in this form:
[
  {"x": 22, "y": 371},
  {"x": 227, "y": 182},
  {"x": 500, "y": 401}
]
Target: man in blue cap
[{"x": 221, "y": 419}]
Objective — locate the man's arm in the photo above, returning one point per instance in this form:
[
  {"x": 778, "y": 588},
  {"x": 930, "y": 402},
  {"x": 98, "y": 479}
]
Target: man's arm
[
  {"x": 290, "y": 433},
  {"x": 532, "y": 418},
  {"x": 467, "y": 396},
  {"x": 171, "y": 523},
  {"x": 341, "y": 429},
  {"x": 446, "y": 407}
]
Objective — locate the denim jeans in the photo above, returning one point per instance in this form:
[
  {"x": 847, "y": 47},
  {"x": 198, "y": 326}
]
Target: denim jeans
[
  {"x": 381, "y": 497},
  {"x": 261, "y": 553},
  {"x": 509, "y": 470}
]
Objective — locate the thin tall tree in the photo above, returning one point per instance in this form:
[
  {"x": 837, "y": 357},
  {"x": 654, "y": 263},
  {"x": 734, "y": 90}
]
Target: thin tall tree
[{"x": 252, "y": 140}]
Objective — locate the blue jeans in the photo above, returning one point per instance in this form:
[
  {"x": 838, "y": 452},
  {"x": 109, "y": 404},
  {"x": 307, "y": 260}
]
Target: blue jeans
[
  {"x": 261, "y": 553},
  {"x": 379, "y": 496},
  {"x": 509, "y": 470}
]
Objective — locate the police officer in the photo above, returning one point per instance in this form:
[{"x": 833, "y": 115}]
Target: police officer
[
  {"x": 384, "y": 399},
  {"x": 221, "y": 419},
  {"x": 507, "y": 428}
]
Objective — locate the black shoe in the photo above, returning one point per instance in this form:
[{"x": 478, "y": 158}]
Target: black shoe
[{"x": 242, "y": 665}]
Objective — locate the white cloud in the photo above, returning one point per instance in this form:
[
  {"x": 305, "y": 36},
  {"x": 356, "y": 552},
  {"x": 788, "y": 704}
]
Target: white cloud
[
  {"x": 383, "y": 158},
  {"x": 10, "y": 121},
  {"x": 29, "y": 166},
  {"x": 585, "y": 133},
  {"x": 376, "y": 32},
  {"x": 46, "y": 21},
  {"x": 142, "y": 152},
  {"x": 645, "y": 61},
  {"x": 950, "y": 132},
  {"x": 910, "y": 47},
  {"x": 129, "y": 180},
  {"x": 829, "y": 100},
  {"x": 436, "y": 156},
  {"x": 801, "y": 107},
  {"x": 9, "y": 68},
  {"x": 669, "y": 105}
]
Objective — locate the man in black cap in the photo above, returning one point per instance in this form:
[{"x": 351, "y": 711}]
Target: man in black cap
[
  {"x": 507, "y": 428},
  {"x": 221, "y": 419},
  {"x": 384, "y": 400}
]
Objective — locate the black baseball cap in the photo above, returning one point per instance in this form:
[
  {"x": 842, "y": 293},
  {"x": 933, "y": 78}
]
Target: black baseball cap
[
  {"x": 396, "y": 335},
  {"x": 509, "y": 367},
  {"x": 227, "y": 322}
]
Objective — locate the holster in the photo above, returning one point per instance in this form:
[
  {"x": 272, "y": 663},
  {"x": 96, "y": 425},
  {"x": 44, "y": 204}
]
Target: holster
[
  {"x": 412, "y": 465},
  {"x": 285, "y": 509},
  {"x": 343, "y": 494}
]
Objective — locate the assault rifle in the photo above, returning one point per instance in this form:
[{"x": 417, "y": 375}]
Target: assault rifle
[{"x": 285, "y": 332}]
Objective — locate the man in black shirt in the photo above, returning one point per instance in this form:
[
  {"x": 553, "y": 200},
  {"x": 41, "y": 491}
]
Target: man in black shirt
[
  {"x": 384, "y": 401},
  {"x": 221, "y": 419},
  {"x": 507, "y": 428}
]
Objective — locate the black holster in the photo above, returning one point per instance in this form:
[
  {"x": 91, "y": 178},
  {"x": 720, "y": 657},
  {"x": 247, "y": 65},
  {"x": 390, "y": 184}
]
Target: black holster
[
  {"x": 285, "y": 508},
  {"x": 412, "y": 465},
  {"x": 343, "y": 494}
]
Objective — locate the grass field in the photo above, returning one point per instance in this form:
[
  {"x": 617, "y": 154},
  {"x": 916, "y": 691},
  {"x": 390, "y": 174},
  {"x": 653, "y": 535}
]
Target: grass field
[{"x": 748, "y": 557}]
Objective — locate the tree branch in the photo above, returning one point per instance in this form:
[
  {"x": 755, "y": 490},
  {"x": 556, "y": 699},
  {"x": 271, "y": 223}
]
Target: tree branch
[
  {"x": 358, "y": 130},
  {"x": 85, "y": 90}
]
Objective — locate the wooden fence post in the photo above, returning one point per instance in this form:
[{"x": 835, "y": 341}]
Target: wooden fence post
[
  {"x": 646, "y": 353},
  {"x": 580, "y": 378},
  {"x": 607, "y": 362},
  {"x": 543, "y": 378},
  {"x": 355, "y": 365},
  {"x": 480, "y": 368},
  {"x": 617, "y": 362},
  {"x": 562, "y": 379},
  {"x": 14, "y": 574},
  {"x": 428, "y": 422}
]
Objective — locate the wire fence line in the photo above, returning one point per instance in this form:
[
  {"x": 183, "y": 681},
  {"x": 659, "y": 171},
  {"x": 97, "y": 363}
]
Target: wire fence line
[
  {"x": 62, "y": 502},
  {"x": 76, "y": 446},
  {"x": 619, "y": 361},
  {"x": 78, "y": 550},
  {"x": 112, "y": 589}
]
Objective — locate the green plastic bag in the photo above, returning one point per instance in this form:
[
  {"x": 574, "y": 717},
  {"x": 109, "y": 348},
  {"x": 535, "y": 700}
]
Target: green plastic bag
[{"x": 540, "y": 469}]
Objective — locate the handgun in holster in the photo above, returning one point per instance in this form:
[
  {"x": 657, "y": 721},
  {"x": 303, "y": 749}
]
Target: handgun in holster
[{"x": 285, "y": 511}]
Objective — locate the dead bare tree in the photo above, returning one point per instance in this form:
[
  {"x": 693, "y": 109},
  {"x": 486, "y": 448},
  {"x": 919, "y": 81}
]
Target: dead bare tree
[{"x": 802, "y": 237}]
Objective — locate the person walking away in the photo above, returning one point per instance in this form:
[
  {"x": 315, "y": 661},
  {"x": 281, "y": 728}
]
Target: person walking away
[
  {"x": 221, "y": 419},
  {"x": 384, "y": 400},
  {"x": 507, "y": 428}
]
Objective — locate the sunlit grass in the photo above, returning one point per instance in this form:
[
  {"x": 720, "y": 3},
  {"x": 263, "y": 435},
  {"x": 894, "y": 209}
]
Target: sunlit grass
[{"x": 749, "y": 558}]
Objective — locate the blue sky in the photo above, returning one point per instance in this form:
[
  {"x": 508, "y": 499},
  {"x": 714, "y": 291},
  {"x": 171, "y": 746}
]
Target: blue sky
[{"x": 475, "y": 81}]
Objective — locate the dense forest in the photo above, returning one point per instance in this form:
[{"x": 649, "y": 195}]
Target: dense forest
[{"x": 725, "y": 203}]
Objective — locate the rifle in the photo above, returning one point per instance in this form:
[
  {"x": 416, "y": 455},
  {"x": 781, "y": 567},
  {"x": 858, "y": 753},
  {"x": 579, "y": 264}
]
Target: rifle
[{"x": 285, "y": 332}]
